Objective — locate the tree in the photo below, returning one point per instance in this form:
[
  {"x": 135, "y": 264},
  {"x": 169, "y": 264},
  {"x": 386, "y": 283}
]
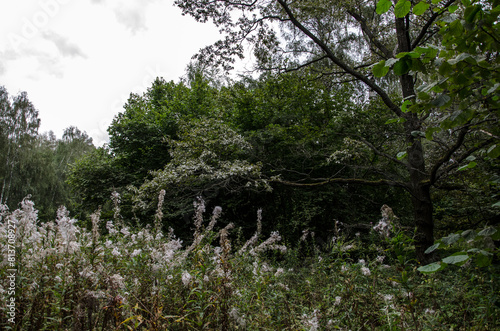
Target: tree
[
  {"x": 445, "y": 114},
  {"x": 19, "y": 125}
]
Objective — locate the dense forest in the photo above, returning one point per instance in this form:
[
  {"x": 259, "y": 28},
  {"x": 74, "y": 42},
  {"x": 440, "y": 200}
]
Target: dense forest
[{"x": 367, "y": 131}]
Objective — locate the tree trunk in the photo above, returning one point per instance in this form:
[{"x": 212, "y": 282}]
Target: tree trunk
[
  {"x": 420, "y": 197},
  {"x": 424, "y": 222}
]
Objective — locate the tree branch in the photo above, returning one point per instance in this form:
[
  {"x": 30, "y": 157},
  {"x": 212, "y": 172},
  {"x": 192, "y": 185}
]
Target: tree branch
[
  {"x": 370, "y": 83},
  {"x": 448, "y": 154},
  {"x": 364, "y": 27},
  {"x": 357, "y": 181},
  {"x": 429, "y": 23}
]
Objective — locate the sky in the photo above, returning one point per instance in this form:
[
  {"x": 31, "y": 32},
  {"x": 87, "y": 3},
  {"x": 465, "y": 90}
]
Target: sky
[{"x": 79, "y": 60}]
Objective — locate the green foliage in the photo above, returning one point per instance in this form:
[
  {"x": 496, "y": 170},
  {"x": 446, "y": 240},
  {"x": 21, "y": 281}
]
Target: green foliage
[
  {"x": 477, "y": 245},
  {"x": 115, "y": 277}
]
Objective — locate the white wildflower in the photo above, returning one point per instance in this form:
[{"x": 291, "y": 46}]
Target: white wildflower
[
  {"x": 235, "y": 315},
  {"x": 116, "y": 252},
  {"x": 125, "y": 231},
  {"x": 117, "y": 281},
  {"x": 312, "y": 322},
  {"x": 337, "y": 300},
  {"x": 388, "y": 297},
  {"x": 365, "y": 271},
  {"x": 136, "y": 252},
  {"x": 186, "y": 278}
]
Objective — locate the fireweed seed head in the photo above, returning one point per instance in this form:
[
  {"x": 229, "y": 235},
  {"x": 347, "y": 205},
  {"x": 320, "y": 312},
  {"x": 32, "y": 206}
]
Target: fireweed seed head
[
  {"x": 365, "y": 271},
  {"x": 186, "y": 278},
  {"x": 337, "y": 300}
]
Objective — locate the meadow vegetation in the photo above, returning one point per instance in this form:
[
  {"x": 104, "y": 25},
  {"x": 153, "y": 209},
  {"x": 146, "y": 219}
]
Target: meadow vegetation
[{"x": 115, "y": 277}]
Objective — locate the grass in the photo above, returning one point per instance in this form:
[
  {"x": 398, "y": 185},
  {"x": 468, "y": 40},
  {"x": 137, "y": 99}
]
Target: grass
[{"x": 112, "y": 277}]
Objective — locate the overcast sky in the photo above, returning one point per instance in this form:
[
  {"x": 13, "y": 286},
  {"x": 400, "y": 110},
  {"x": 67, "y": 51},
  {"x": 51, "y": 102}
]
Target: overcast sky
[{"x": 79, "y": 60}]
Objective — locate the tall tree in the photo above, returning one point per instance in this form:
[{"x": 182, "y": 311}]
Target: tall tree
[
  {"x": 428, "y": 46},
  {"x": 19, "y": 125}
]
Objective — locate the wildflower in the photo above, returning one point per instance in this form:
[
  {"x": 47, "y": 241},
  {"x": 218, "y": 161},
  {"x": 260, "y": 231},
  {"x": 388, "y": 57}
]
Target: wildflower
[
  {"x": 362, "y": 262},
  {"x": 111, "y": 228},
  {"x": 236, "y": 317},
  {"x": 186, "y": 278},
  {"x": 365, "y": 271},
  {"x": 58, "y": 279},
  {"x": 388, "y": 297},
  {"x": 304, "y": 235},
  {"x": 59, "y": 265},
  {"x": 278, "y": 272},
  {"x": 136, "y": 252},
  {"x": 380, "y": 259},
  {"x": 344, "y": 269},
  {"x": 429, "y": 311},
  {"x": 357, "y": 234},
  {"x": 251, "y": 242},
  {"x": 337, "y": 300},
  {"x": 312, "y": 322},
  {"x": 117, "y": 281},
  {"x": 346, "y": 248},
  {"x": 116, "y": 252},
  {"x": 125, "y": 232}
]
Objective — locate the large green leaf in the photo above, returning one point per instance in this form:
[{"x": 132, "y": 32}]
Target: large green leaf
[
  {"x": 494, "y": 151},
  {"x": 452, "y": 238},
  {"x": 431, "y": 268},
  {"x": 402, "y": 66},
  {"x": 380, "y": 69},
  {"x": 383, "y": 6},
  {"x": 420, "y": 8},
  {"x": 432, "y": 248},
  {"x": 402, "y": 8},
  {"x": 488, "y": 231},
  {"x": 457, "y": 258}
]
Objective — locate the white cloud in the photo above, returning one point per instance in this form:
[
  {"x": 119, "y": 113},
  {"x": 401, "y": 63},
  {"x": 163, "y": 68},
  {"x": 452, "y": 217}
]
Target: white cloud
[
  {"x": 80, "y": 60},
  {"x": 131, "y": 13},
  {"x": 64, "y": 45}
]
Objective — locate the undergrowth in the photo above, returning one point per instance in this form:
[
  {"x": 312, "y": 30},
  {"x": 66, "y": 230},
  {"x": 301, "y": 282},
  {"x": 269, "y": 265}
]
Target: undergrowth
[{"x": 113, "y": 277}]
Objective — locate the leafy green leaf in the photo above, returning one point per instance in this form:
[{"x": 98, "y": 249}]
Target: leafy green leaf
[
  {"x": 405, "y": 105},
  {"x": 431, "y": 268},
  {"x": 432, "y": 248},
  {"x": 402, "y": 8},
  {"x": 452, "y": 238},
  {"x": 467, "y": 166},
  {"x": 441, "y": 100},
  {"x": 402, "y": 66},
  {"x": 420, "y": 8},
  {"x": 494, "y": 151},
  {"x": 380, "y": 70},
  {"x": 395, "y": 120},
  {"x": 488, "y": 231},
  {"x": 459, "y": 58},
  {"x": 401, "y": 155},
  {"x": 457, "y": 258},
  {"x": 469, "y": 234},
  {"x": 383, "y": 6}
]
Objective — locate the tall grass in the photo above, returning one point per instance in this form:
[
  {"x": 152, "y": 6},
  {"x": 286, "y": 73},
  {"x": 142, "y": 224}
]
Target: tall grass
[{"x": 112, "y": 277}]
